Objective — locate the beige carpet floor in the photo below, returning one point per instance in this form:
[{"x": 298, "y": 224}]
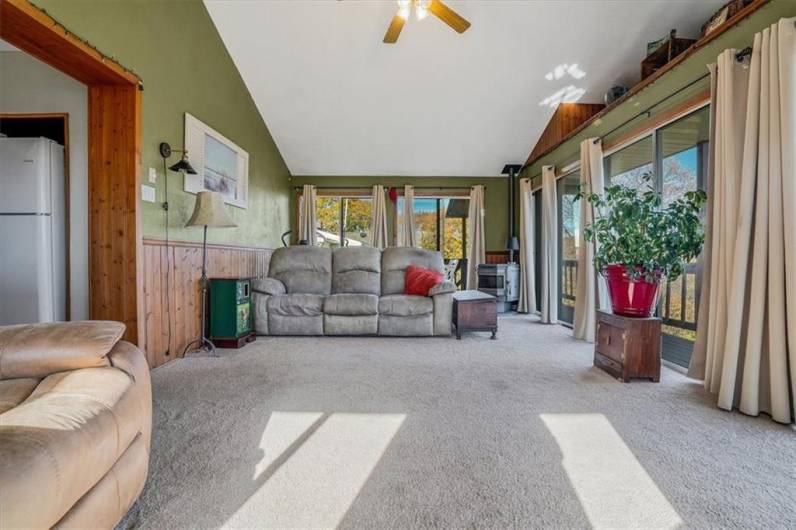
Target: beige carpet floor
[{"x": 521, "y": 432}]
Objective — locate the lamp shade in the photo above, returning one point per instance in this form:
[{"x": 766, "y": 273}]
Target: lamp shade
[
  {"x": 514, "y": 243},
  {"x": 183, "y": 165},
  {"x": 209, "y": 210}
]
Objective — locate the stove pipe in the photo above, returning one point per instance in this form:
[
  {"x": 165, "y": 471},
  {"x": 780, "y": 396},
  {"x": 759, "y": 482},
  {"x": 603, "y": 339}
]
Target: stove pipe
[{"x": 512, "y": 243}]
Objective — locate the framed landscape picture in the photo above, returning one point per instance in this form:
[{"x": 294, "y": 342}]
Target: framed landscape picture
[{"x": 220, "y": 164}]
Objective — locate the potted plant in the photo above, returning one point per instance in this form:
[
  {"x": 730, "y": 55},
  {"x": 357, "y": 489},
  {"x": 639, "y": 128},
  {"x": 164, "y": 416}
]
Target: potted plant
[{"x": 639, "y": 243}]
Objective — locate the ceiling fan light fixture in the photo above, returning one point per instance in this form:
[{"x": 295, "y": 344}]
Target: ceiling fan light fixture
[
  {"x": 404, "y": 9},
  {"x": 420, "y": 12}
]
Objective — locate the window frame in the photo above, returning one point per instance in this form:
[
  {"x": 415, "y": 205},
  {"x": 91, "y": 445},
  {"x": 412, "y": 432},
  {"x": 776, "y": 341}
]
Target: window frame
[{"x": 440, "y": 223}]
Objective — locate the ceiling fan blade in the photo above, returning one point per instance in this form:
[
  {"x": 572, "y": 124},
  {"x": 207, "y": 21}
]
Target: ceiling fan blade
[
  {"x": 394, "y": 30},
  {"x": 448, "y": 16}
]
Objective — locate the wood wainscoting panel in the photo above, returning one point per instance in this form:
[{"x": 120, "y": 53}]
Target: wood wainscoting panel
[
  {"x": 179, "y": 300},
  {"x": 494, "y": 257}
]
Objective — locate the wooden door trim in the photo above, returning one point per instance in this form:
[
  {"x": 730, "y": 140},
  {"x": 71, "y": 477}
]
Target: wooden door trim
[{"x": 114, "y": 146}]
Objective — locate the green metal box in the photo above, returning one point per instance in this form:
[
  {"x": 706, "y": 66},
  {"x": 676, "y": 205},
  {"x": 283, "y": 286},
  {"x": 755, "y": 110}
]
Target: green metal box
[{"x": 230, "y": 308}]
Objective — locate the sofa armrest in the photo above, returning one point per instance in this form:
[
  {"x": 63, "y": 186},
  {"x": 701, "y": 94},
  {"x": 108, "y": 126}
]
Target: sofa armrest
[
  {"x": 270, "y": 286},
  {"x": 443, "y": 288},
  {"x": 38, "y": 350}
]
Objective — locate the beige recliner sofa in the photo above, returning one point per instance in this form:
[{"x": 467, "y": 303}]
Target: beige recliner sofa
[{"x": 75, "y": 423}]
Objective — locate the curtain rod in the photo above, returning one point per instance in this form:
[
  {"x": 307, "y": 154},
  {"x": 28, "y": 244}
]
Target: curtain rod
[
  {"x": 738, "y": 56},
  {"x": 386, "y": 187}
]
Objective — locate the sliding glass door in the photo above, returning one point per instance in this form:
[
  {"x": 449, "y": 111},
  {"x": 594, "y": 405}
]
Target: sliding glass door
[
  {"x": 440, "y": 224},
  {"x": 568, "y": 243},
  {"x": 682, "y": 149},
  {"x": 676, "y": 155}
]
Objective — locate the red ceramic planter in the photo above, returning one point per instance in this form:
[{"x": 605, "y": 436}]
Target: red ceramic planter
[{"x": 630, "y": 298}]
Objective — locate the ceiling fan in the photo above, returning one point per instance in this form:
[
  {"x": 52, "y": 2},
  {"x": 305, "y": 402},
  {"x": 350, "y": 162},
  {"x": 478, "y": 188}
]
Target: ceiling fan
[{"x": 421, "y": 9}]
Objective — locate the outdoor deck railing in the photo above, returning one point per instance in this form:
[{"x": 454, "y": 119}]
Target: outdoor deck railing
[{"x": 684, "y": 293}]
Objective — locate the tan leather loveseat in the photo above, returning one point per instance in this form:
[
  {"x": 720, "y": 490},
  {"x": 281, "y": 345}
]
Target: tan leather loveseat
[{"x": 75, "y": 422}]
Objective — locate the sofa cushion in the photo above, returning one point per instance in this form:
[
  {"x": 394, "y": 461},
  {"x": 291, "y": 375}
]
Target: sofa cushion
[
  {"x": 303, "y": 269},
  {"x": 15, "y": 391},
  {"x": 296, "y": 305},
  {"x": 356, "y": 270},
  {"x": 38, "y": 350},
  {"x": 351, "y": 304},
  {"x": 350, "y": 325},
  {"x": 295, "y": 325},
  {"x": 394, "y": 261},
  {"x": 403, "y": 305},
  {"x": 406, "y": 326},
  {"x": 62, "y": 440}
]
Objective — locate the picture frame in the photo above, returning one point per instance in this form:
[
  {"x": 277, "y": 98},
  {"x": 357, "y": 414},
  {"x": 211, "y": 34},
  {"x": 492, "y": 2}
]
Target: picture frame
[{"x": 221, "y": 165}]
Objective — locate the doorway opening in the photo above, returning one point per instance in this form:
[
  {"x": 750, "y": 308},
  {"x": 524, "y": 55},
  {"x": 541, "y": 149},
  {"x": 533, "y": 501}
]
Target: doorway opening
[{"x": 54, "y": 127}]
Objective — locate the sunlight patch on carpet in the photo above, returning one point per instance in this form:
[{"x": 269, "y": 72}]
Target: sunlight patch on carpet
[
  {"x": 612, "y": 486},
  {"x": 313, "y": 469}
]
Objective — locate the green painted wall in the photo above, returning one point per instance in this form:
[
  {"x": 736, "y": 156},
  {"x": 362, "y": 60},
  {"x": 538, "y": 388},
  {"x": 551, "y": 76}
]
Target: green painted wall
[
  {"x": 669, "y": 89},
  {"x": 175, "y": 49},
  {"x": 495, "y": 197}
]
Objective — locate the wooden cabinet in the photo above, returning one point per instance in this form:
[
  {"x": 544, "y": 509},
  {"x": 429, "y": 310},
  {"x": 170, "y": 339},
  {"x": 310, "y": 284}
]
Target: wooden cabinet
[
  {"x": 628, "y": 347},
  {"x": 474, "y": 311},
  {"x": 230, "y": 312}
]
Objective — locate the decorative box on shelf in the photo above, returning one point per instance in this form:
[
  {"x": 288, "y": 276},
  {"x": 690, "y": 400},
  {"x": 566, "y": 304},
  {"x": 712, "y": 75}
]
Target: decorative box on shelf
[
  {"x": 668, "y": 50},
  {"x": 628, "y": 347},
  {"x": 230, "y": 312}
]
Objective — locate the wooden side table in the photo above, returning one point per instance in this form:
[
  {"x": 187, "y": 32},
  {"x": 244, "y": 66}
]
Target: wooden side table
[
  {"x": 474, "y": 311},
  {"x": 628, "y": 347}
]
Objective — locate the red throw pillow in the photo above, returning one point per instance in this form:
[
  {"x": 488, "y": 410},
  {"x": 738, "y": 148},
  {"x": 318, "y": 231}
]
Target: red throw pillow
[{"x": 419, "y": 281}]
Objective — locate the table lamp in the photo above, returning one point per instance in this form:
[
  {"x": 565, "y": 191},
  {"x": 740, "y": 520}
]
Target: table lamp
[{"x": 209, "y": 211}]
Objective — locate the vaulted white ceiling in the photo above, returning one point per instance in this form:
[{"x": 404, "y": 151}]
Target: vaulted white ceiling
[{"x": 340, "y": 102}]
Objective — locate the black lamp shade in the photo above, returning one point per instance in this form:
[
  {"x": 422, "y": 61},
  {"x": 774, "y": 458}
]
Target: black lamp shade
[{"x": 183, "y": 165}]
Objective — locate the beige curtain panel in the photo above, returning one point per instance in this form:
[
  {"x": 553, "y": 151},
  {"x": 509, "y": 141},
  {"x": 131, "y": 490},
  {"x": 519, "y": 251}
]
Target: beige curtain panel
[
  {"x": 527, "y": 303},
  {"x": 407, "y": 237},
  {"x": 588, "y": 284},
  {"x": 746, "y": 328},
  {"x": 476, "y": 251},
  {"x": 549, "y": 246},
  {"x": 378, "y": 219},
  {"x": 307, "y": 220}
]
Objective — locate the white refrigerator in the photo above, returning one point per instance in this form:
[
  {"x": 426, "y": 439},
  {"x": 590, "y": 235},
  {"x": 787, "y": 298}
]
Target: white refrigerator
[{"x": 32, "y": 231}]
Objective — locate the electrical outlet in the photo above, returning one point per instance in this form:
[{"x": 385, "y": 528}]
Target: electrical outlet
[
  {"x": 153, "y": 175},
  {"x": 147, "y": 193}
]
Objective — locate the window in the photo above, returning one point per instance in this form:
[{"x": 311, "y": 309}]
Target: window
[
  {"x": 537, "y": 243},
  {"x": 628, "y": 166},
  {"x": 440, "y": 224},
  {"x": 683, "y": 154},
  {"x": 568, "y": 243},
  {"x": 343, "y": 219},
  {"x": 677, "y": 155}
]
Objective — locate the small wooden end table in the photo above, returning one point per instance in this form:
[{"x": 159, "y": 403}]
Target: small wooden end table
[
  {"x": 628, "y": 347},
  {"x": 474, "y": 311}
]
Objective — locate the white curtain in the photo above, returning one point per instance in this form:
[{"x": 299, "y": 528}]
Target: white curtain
[
  {"x": 527, "y": 303},
  {"x": 406, "y": 234},
  {"x": 549, "y": 246},
  {"x": 591, "y": 181},
  {"x": 307, "y": 220},
  {"x": 476, "y": 251},
  {"x": 746, "y": 327},
  {"x": 378, "y": 219}
]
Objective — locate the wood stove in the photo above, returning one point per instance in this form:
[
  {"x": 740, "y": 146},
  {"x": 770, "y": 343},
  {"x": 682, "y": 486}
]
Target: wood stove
[{"x": 501, "y": 280}]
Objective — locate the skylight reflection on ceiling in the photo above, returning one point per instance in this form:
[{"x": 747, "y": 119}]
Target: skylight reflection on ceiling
[{"x": 568, "y": 94}]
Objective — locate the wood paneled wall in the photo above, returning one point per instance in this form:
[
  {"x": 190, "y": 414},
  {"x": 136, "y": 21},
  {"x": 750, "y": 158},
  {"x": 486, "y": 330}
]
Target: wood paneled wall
[
  {"x": 181, "y": 299},
  {"x": 567, "y": 118}
]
